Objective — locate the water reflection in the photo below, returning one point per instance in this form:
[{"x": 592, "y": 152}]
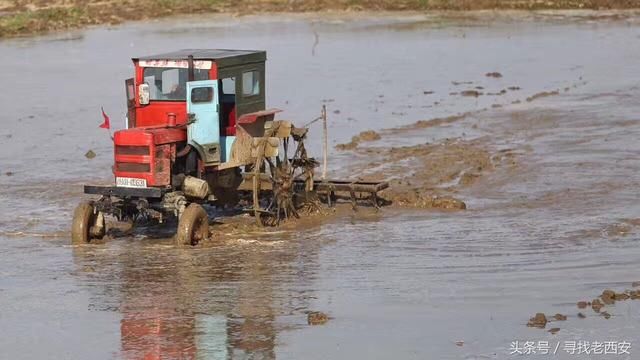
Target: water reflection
[{"x": 217, "y": 303}]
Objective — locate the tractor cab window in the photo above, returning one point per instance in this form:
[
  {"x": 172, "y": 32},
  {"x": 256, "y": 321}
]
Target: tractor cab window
[
  {"x": 229, "y": 86},
  {"x": 202, "y": 95},
  {"x": 250, "y": 83},
  {"x": 170, "y": 84}
]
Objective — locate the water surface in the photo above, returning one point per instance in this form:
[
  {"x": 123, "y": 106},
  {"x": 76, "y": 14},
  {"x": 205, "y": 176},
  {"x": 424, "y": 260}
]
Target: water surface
[{"x": 400, "y": 284}]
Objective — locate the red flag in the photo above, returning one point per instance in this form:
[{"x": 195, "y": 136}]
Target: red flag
[{"x": 106, "y": 124}]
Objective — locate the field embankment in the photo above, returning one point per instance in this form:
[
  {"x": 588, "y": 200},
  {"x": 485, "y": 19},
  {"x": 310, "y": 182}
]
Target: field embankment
[{"x": 26, "y": 17}]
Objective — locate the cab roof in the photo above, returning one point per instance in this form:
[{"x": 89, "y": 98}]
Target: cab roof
[{"x": 223, "y": 57}]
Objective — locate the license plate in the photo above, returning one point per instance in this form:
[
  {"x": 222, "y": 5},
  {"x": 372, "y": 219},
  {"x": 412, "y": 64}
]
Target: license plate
[{"x": 131, "y": 182}]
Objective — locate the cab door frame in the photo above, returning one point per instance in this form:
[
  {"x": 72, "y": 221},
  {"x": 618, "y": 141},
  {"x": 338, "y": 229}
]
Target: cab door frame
[
  {"x": 203, "y": 123},
  {"x": 130, "y": 91}
]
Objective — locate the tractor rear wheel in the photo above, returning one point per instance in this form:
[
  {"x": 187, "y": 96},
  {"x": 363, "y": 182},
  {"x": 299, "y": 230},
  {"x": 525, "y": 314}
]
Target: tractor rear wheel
[
  {"x": 87, "y": 224},
  {"x": 193, "y": 226}
]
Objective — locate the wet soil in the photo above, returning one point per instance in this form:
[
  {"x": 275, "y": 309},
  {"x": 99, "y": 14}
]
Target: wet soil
[
  {"x": 317, "y": 318},
  {"x": 539, "y": 321},
  {"x": 607, "y": 300},
  {"x": 426, "y": 175},
  {"x": 542, "y": 95},
  {"x": 368, "y": 135},
  {"x": 494, "y": 74}
]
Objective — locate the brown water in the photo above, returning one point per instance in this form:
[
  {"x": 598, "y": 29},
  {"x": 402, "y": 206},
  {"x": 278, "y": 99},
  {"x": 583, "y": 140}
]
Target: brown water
[{"x": 556, "y": 228}]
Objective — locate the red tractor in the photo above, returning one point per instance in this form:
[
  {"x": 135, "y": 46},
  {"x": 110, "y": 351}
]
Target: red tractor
[{"x": 198, "y": 132}]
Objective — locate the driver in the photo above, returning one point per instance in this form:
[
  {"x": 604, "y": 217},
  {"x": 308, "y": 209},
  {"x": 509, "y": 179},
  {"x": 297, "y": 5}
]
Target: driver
[{"x": 178, "y": 92}]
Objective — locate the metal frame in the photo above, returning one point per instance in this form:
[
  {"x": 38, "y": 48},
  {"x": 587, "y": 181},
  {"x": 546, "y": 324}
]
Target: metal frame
[{"x": 124, "y": 192}]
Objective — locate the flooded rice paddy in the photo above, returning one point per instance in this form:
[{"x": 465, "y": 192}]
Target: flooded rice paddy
[{"x": 552, "y": 214}]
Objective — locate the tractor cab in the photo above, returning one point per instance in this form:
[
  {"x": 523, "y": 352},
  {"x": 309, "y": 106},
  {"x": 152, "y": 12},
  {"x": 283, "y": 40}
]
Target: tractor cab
[{"x": 190, "y": 100}]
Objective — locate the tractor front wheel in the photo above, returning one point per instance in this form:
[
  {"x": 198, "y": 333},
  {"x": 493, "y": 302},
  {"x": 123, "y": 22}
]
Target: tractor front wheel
[
  {"x": 87, "y": 224},
  {"x": 193, "y": 226}
]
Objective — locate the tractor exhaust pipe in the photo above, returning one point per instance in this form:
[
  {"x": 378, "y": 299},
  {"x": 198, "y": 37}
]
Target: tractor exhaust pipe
[{"x": 191, "y": 75}]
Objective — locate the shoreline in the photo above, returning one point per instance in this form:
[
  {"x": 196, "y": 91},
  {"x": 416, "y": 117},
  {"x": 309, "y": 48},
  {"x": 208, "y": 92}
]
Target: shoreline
[{"x": 35, "y": 17}]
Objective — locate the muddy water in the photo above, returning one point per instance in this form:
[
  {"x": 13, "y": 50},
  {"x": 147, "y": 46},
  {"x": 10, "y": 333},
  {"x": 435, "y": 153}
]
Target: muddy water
[{"x": 537, "y": 237}]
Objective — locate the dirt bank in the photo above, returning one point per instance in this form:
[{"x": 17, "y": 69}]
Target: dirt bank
[{"x": 21, "y": 17}]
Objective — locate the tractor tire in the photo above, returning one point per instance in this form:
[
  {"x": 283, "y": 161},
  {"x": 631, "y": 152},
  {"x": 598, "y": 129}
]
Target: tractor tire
[
  {"x": 84, "y": 219},
  {"x": 193, "y": 226}
]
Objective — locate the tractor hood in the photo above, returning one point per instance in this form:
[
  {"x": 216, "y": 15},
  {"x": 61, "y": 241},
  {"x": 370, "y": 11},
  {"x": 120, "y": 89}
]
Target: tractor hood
[{"x": 148, "y": 136}]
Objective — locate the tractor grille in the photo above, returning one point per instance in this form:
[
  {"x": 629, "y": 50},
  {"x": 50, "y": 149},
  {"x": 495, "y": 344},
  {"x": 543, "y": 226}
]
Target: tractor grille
[
  {"x": 132, "y": 167},
  {"x": 150, "y": 162},
  {"x": 132, "y": 150}
]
